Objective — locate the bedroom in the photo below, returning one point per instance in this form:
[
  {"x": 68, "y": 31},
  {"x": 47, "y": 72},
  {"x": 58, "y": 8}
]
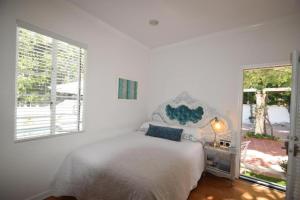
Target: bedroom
[{"x": 198, "y": 47}]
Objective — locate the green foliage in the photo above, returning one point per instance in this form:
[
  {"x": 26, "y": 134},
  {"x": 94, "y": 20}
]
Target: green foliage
[
  {"x": 283, "y": 165},
  {"x": 279, "y": 98},
  {"x": 34, "y": 66},
  {"x": 260, "y": 136},
  {"x": 249, "y": 98},
  {"x": 273, "y": 180},
  {"x": 273, "y": 98},
  {"x": 268, "y": 78}
]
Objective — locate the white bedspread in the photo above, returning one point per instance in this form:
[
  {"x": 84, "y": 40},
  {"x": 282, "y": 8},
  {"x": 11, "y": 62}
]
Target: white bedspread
[{"x": 132, "y": 166}]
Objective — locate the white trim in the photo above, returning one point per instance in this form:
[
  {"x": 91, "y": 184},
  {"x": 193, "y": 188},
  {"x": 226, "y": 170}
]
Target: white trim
[
  {"x": 239, "y": 118},
  {"x": 16, "y": 85},
  {"x": 40, "y": 196},
  {"x": 265, "y": 65},
  {"x": 240, "y": 103},
  {"x": 285, "y": 89},
  {"x": 250, "y": 90},
  {"x": 84, "y": 98},
  {"x": 47, "y": 136},
  {"x": 293, "y": 116},
  {"x": 79, "y": 90},
  {"x": 53, "y": 88},
  {"x": 51, "y": 34}
]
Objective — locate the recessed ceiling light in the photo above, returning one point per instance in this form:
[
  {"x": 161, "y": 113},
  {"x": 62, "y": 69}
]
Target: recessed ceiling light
[{"x": 153, "y": 22}]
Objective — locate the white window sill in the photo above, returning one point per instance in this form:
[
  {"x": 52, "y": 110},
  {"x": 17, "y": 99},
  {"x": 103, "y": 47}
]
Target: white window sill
[{"x": 20, "y": 140}]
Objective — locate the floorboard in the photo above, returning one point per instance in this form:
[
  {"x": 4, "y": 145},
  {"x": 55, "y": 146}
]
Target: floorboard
[{"x": 214, "y": 188}]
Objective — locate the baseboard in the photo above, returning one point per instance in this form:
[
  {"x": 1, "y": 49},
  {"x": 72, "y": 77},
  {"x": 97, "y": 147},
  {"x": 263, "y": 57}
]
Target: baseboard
[{"x": 40, "y": 196}]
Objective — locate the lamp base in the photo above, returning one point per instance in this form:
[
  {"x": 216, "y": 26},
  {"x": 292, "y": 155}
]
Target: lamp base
[{"x": 215, "y": 143}]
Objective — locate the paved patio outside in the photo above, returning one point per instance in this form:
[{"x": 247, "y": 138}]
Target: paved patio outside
[{"x": 263, "y": 156}]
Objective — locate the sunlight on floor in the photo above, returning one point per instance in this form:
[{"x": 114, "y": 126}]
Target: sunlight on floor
[{"x": 247, "y": 196}]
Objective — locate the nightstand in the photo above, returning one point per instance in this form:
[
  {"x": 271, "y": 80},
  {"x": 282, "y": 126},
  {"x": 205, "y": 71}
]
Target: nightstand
[{"x": 220, "y": 161}]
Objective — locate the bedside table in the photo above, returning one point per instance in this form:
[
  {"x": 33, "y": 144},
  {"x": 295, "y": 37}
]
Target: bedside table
[{"x": 220, "y": 161}]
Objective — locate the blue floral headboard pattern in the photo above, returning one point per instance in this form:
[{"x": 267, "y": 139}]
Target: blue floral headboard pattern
[
  {"x": 184, "y": 114},
  {"x": 183, "y": 110}
]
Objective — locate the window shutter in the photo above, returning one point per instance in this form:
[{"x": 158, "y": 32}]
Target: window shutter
[
  {"x": 33, "y": 80},
  {"x": 49, "y": 86},
  {"x": 69, "y": 88}
]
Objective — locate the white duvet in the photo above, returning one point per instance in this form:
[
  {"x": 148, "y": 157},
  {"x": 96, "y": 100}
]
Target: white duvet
[{"x": 132, "y": 166}]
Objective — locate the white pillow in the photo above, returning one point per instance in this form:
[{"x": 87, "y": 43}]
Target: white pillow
[
  {"x": 207, "y": 133},
  {"x": 189, "y": 133}
]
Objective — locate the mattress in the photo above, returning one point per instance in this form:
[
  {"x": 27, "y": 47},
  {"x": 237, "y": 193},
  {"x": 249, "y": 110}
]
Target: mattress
[{"x": 132, "y": 166}]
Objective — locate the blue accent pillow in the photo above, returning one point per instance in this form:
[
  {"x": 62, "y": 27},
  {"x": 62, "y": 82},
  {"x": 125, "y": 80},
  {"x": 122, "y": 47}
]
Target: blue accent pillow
[{"x": 165, "y": 132}]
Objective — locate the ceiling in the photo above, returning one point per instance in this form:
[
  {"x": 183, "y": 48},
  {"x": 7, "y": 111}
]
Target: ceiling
[{"x": 183, "y": 19}]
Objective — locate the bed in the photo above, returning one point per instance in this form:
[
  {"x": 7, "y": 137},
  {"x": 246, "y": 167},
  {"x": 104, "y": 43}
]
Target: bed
[
  {"x": 135, "y": 166},
  {"x": 132, "y": 166}
]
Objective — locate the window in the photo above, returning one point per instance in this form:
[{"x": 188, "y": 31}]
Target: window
[{"x": 49, "y": 86}]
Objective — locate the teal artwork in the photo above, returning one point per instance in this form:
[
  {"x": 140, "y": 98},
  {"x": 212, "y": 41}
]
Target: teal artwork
[
  {"x": 127, "y": 89},
  {"x": 184, "y": 114}
]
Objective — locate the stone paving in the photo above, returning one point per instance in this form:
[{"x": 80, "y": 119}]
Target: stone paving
[
  {"x": 264, "y": 156},
  {"x": 266, "y": 146}
]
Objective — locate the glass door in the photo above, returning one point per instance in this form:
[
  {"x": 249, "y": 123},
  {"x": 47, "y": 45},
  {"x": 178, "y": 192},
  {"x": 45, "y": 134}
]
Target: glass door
[{"x": 266, "y": 124}]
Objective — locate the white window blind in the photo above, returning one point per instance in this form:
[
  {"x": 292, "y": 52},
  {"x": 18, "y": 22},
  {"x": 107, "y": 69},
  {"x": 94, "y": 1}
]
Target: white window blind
[{"x": 49, "y": 86}]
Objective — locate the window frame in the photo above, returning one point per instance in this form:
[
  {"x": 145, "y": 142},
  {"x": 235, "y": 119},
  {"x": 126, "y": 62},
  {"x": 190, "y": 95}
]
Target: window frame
[{"x": 56, "y": 37}]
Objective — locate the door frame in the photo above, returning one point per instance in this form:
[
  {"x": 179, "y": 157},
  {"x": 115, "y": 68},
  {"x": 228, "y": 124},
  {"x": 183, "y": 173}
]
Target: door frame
[
  {"x": 292, "y": 140},
  {"x": 240, "y": 103}
]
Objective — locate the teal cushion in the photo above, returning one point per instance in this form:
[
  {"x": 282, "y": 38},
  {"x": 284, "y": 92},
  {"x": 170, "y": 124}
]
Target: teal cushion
[{"x": 164, "y": 132}]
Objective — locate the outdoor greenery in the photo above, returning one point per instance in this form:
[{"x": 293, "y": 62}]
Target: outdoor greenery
[
  {"x": 273, "y": 180},
  {"x": 283, "y": 165},
  {"x": 260, "y": 80},
  {"x": 268, "y": 78},
  {"x": 260, "y": 136},
  {"x": 273, "y": 98},
  {"x": 34, "y": 66}
]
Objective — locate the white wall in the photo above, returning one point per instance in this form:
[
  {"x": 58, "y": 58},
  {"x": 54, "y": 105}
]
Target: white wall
[
  {"x": 209, "y": 67},
  {"x": 27, "y": 168}
]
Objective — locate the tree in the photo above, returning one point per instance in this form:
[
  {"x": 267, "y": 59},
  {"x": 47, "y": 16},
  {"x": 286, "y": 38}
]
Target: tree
[
  {"x": 260, "y": 79},
  {"x": 34, "y": 66}
]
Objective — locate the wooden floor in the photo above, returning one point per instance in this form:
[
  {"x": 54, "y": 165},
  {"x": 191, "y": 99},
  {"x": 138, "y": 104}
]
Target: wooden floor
[{"x": 214, "y": 188}]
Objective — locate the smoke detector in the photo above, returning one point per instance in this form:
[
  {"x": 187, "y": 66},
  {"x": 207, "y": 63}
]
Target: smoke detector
[{"x": 153, "y": 22}]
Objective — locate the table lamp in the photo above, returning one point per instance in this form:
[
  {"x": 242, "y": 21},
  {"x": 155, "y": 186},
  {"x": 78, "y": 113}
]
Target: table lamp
[{"x": 218, "y": 126}]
